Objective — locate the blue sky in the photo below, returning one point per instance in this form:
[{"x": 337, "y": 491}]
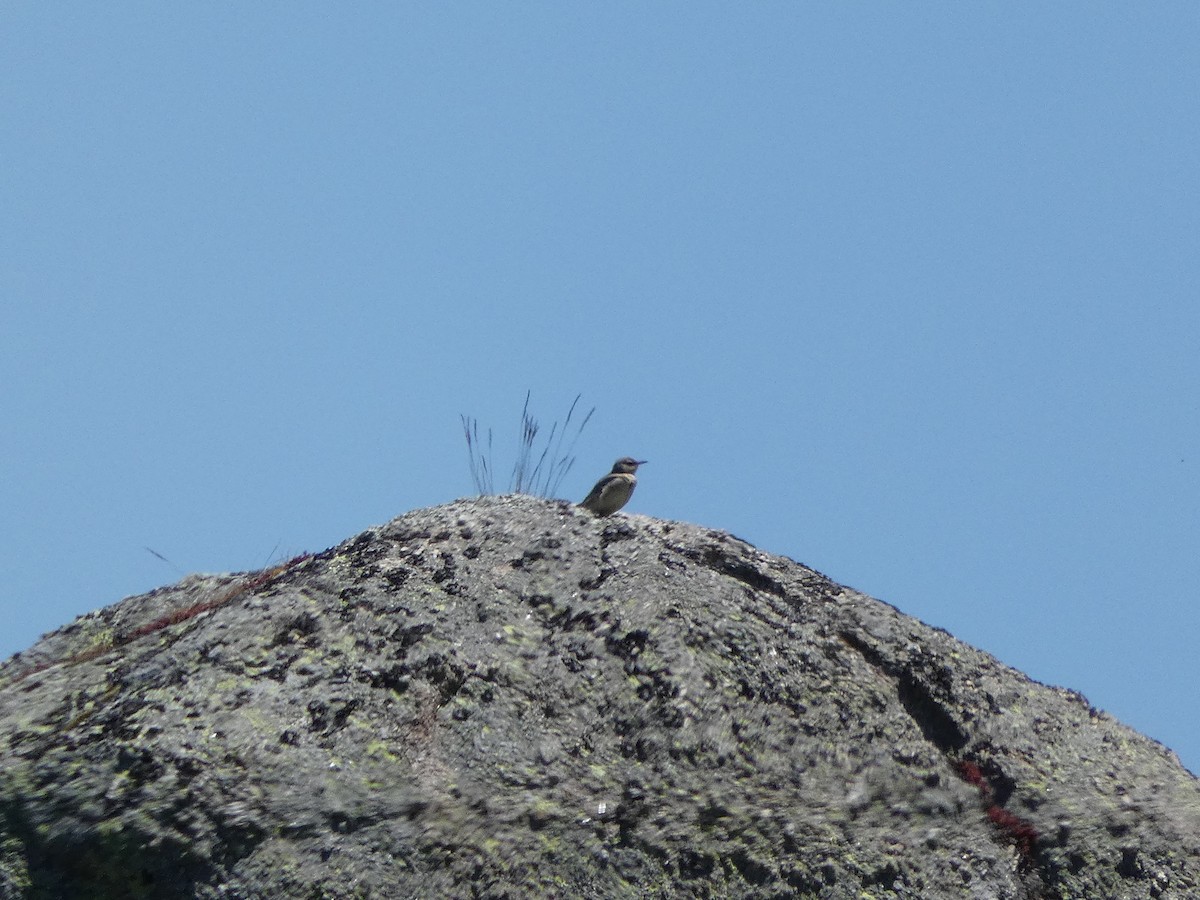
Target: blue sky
[{"x": 907, "y": 293}]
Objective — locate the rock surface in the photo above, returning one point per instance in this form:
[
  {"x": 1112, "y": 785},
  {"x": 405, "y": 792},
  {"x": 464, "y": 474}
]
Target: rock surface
[{"x": 508, "y": 697}]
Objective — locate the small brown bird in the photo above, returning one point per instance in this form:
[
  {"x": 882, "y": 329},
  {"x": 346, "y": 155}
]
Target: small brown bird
[{"x": 614, "y": 489}]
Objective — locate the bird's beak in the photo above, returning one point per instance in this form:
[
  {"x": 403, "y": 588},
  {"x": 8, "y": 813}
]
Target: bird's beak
[{"x": 642, "y": 462}]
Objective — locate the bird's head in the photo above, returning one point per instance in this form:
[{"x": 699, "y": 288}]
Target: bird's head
[{"x": 627, "y": 465}]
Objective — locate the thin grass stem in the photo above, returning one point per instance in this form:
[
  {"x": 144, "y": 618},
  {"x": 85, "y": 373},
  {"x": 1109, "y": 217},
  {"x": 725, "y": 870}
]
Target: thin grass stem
[{"x": 540, "y": 478}]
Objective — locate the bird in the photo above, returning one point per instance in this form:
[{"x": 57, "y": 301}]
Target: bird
[{"x": 614, "y": 489}]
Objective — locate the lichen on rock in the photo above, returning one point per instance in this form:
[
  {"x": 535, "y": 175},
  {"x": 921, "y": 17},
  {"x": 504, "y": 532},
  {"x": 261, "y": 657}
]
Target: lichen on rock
[{"x": 508, "y": 697}]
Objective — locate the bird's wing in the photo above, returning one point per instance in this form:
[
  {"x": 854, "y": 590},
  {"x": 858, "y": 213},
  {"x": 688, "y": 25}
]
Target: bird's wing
[{"x": 597, "y": 490}]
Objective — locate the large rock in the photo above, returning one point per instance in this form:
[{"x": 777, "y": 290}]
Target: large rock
[{"x": 509, "y": 697}]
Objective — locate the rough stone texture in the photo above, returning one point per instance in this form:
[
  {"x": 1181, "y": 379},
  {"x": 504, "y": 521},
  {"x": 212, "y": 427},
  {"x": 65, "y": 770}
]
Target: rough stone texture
[{"x": 509, "y": 697}]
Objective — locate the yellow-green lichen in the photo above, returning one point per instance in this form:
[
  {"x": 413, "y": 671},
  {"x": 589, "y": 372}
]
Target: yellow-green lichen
[
  {"x": 380, "y": 750},
  {"x": 13, "y": 864}
]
